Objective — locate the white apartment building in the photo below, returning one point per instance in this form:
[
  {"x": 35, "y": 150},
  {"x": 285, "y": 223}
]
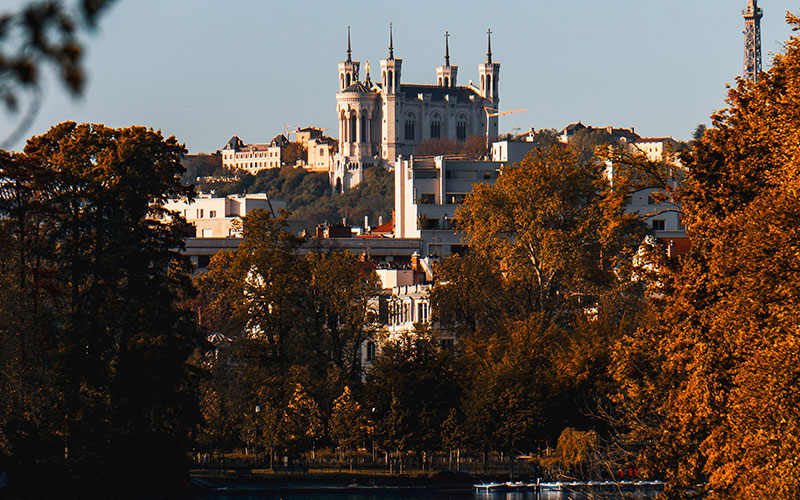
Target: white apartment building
[
  {"x": 427, "y": 194},
  {"x": 213, "y": 217},
  {"x": 512, "y": 151},
  {"x": 655, "y": 148}
]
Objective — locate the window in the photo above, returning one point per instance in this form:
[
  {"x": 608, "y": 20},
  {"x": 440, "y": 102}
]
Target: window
[
  {"x": 212, "y": 213},
  {"x": 436, "y": 128},
  {"x": 456, "y": 198},
  {"x": 410, "y": 126},
  {"x": 369, "y": 354},
  {"x": 658, "y": 224},
  {"x": 208, "y": 233},
  {"x": 199, "y": 213},
  {"x": 461, "y": 129},
  {"x": 447, "y": 344},
  {"x": 422, "y": 312},
  {"x": 363, "y": 129},
  {"x": 426, "y": 199}
]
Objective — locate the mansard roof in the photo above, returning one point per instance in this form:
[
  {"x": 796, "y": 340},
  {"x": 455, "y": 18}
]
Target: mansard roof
[
  {"x": 234, "y": 143},
  {"x": 437, "y": 92}
]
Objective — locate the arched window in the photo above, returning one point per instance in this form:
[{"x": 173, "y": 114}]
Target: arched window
[
  {"x": 353, "y": 129},
  {"x": 488, "y": 84},
  {"x": 363, "y": 128},
  {"x": 411, "y": 125},
  {"x": 461, "y": 128},
  {"x": 440, "y": 81},
  {"x": 436, "y": 127},
  {"x": 347, "y": 80},
  {"x": 390, "y": 80},
  {"x": 482, "y": 82},
  {"x": 341, "y": 81},
  {"x": 446, "y": 82}
]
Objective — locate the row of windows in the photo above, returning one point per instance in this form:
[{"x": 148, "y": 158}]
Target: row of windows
[
  {"x": 200, "y": 212},
  {"x": 435, "y": 130},
  {"x": 239, "y": 156},
  {"x": 400, "y": 313}
]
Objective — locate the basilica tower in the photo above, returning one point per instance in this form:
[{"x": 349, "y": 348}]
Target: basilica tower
[
  {"x": 390, "y": 87},
  {"x": 348, "y": 69},
  {"x": 446, "y": 75},
  {"x": 490, "y": 76},
  {"x": 752, "y": 41}
]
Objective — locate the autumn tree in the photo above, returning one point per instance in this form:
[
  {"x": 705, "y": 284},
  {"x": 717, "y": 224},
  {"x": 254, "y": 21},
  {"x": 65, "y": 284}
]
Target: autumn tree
[
  {"x": 348, "y": 423},
  {"x": 294, "y": 152},
  {"x": 717, "y": 396},
  {"x": 553, "y": 262},
  {"x": 302, "y": 421},
  {"x": 98, "y": 260},
  {"x": 294, "y": 317}
]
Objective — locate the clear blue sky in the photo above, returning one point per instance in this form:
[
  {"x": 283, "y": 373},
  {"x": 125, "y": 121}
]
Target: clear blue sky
[{"x": 204, "y": 70}]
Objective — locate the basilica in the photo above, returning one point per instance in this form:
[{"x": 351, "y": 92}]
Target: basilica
[{"x": 381, "y": 120}]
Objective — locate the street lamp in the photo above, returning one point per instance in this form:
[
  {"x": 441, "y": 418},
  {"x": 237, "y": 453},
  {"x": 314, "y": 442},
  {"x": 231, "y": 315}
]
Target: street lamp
[{"x": 255, "y": 439}]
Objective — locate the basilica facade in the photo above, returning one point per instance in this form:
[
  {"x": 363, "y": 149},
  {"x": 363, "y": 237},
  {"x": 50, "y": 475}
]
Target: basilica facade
[{"x": 381, "y": 120}]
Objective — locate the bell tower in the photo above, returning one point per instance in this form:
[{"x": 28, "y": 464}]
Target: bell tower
[
  {"x": 390, "y": 86},
  {"x": 490, "y": 76},
  {"x": 348, "y": 69},
  {"x": 752, "y": 40},
  {"x": 446, "y": 75}
]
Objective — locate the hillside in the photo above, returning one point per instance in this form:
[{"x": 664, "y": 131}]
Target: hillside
[{"x": 308, "y": 195}]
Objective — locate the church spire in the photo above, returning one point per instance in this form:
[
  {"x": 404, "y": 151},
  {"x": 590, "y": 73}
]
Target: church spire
[
  {"x": 349, "y": 52},
  {"x": 489, "y": 48},
  {"x": 391, "y": 43},
  {"x": 447, "y": 49}
]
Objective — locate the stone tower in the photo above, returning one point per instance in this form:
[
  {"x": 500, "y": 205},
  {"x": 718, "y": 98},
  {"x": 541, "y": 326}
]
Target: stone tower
[
  {"x": 490, "y": 76},
  {"x": 358, "y": 111},
  {"x": 752, "y": 41},
  {"x": 348, "y": 69},
  {"x": 446, "y": 75},
  {"x": 390, "y": 84}
]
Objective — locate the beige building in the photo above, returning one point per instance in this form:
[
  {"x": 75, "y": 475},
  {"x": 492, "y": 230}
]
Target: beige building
[
  {"x": 319, "y": 147},
  {"x": 214, "y": 217},
  {"x": 253, "y": 157}
]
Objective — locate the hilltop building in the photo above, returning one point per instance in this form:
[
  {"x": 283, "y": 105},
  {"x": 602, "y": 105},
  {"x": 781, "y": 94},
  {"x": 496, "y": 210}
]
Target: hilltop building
[
  {"x": 253, "y": 157},
  {"x": 381, "y": 120}
]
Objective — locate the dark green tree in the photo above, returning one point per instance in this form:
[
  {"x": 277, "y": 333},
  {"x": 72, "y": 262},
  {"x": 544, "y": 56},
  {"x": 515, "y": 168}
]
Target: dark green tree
[{"x": 118, "y": 334}]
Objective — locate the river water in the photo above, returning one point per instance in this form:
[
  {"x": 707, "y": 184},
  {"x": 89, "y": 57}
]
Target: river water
[{"x": 457, "y": 494}]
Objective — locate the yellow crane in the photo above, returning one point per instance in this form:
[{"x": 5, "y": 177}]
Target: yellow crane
[{"x": 489, "y": 114}]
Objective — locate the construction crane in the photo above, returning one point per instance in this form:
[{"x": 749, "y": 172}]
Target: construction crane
[{"x": 492, "y": 115}]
